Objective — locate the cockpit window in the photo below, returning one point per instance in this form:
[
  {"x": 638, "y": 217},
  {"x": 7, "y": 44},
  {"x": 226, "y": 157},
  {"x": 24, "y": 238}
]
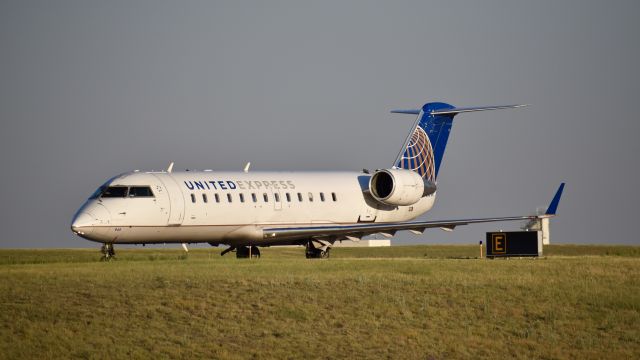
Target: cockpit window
[
  {"x": 140, "y": 191},
  {"x": 114, "y": 192},
  {"x": 121, "y": 191}
]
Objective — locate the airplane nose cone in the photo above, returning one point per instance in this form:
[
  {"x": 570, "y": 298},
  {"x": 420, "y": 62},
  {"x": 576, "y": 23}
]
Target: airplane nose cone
[{"x": 82, "y": 224}]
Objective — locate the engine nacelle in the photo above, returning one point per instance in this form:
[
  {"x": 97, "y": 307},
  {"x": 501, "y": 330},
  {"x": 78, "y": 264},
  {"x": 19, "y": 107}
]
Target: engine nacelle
[{"x": 399, "y": 187}]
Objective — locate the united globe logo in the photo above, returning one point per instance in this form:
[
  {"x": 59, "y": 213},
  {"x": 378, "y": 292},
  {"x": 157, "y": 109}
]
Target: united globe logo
[{"x": 418, "y": 155}]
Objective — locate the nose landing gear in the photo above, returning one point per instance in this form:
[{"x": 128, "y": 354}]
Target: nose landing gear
[{"x": 107, "y": 252}]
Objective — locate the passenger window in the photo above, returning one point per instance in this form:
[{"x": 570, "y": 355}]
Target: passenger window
[
  {"x": 253, "y": 197},
  {"x": 241, "y": 197},
  {"x": 217, "y": 197},
  {"x": 193, "y": 198},
  {"x": 115, "y": 192},
  {"x": 277, "y": 197},
  {"x": 321, "y": 196},
  {"x": 204, "y": 198},
  {"x": 300, "y": 197},
  {"x": 288, "y": 197},
  {"x": 265, "y": 197},
  {"x": 334, "y": 197},
  {"x": 229, "y": 199},
  {"x": 140, "y": 191},
  {"x": 310, "y": 197}
]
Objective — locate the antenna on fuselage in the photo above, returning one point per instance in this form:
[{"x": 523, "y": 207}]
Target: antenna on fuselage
[
  {"x": 246, "y": 167},
  {"x": 170, "y": 168}
]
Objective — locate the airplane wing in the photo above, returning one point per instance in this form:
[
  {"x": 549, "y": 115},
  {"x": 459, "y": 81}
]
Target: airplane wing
[{"x": 357, "y": 231}]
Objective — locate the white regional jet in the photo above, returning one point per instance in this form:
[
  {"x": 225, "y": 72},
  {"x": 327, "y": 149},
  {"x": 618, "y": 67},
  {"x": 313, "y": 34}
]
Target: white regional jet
[{"x": 247, "y": 210}]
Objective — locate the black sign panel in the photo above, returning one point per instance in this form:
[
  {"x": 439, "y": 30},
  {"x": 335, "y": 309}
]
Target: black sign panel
[{"x": 513, "y": 243}]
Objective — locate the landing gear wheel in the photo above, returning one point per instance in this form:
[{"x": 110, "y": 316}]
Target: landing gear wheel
[
  {"x": 255, "y": 252},
  {"x": 312, "y": 252},
  {"x": 242, "y": 252},
  {"x": 108, "y": 252}
]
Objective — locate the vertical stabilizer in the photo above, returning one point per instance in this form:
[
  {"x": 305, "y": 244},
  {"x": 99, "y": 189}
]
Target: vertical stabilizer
[{"x": 424, "y": 148}]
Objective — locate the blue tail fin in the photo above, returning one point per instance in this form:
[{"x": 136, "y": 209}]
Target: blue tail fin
[{"x": 424, "y": 148}]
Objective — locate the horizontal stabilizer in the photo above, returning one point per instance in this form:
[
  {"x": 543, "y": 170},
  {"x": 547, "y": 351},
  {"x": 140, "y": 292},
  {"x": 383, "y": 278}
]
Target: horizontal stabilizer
[{"x": 454, "y": 111}]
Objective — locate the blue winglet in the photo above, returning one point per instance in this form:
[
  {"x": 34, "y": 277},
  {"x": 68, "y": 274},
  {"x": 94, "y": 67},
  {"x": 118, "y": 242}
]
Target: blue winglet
[{"x": 553, "y": 207}]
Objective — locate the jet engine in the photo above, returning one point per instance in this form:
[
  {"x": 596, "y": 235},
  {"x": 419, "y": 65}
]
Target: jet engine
[{"x": 399, "y": 187}]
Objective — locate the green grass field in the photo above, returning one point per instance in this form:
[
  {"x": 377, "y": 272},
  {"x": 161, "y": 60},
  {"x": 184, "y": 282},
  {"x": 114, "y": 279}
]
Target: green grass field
[{"x": 417, "y": 302}]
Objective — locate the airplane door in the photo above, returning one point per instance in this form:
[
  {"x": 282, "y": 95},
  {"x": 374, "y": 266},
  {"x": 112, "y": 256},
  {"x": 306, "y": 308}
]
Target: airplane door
[
  {"x": 162, "y": 201},
  {"x": 176, "y": 199}
]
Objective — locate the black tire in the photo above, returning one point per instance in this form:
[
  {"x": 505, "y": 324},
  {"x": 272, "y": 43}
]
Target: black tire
[
  {"x": 255, "y": 252},
  {"x": 242, "y": 252}
]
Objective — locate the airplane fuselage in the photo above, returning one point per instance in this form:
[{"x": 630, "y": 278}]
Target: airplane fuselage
[{"x": 229, "y": 207}]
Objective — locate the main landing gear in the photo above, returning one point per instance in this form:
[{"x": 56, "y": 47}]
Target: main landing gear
[
  {"x": 320, "y": 252},
  {"x": 107, "y": 252},
  {"x": 243, "y": 252}
]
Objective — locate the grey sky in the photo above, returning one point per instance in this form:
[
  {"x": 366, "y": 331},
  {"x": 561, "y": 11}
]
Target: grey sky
[{"x": 89, "y": 89}]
